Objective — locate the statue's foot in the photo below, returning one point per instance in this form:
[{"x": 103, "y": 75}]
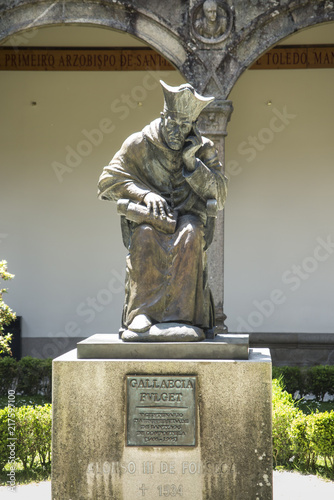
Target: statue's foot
[
  {"x": 176, "y": 332},
  {"x": 166, "y": 332},
  {"x": 140, "y": 324}
]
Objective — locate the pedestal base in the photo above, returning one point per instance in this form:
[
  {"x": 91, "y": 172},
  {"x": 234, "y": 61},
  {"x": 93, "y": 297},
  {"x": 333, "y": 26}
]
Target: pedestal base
[
  {"x": 225, "y": 455},
  {"x": 109, "y": 346}
]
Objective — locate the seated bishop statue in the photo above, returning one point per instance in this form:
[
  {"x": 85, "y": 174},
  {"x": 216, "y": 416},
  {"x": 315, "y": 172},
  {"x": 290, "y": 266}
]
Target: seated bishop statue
[{"x": 168, "y": 184}]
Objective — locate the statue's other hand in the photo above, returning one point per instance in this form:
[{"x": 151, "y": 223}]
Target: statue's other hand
[
  {"x": 192, "y": 145},
  {"x": 157, "y": 205}
]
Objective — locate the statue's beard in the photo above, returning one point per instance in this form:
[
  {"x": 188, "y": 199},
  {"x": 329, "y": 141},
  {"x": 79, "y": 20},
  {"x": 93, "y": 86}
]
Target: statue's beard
[
  {"x": 175, "y": 144},
  {"x": 172, "y": 142}
]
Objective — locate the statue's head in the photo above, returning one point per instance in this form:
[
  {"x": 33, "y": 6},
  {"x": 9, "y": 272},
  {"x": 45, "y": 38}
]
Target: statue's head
[
  {"x": 182, "y": 107},
  {"x": 210, "y": 10}
]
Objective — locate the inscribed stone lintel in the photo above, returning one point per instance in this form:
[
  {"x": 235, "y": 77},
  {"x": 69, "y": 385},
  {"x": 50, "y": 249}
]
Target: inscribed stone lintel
[{"x": 143, "y": 59}]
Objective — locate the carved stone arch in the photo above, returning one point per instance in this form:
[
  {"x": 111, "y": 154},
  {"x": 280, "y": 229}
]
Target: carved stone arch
[
  {"x": 166, "y": 26},
  {"x": 17, "y": 16},
  {"x": 263, "y": 34}
]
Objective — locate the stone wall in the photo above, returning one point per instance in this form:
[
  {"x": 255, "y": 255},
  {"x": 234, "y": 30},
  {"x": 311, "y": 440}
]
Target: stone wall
[{"x": 297, "y": 349}]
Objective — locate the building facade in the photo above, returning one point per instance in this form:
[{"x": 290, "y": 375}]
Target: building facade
[{"x": 59, "y": 128}]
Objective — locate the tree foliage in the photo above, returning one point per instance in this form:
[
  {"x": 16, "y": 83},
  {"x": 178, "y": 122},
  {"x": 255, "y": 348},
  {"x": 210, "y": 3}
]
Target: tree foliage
[{"x": 6, "y": 314}]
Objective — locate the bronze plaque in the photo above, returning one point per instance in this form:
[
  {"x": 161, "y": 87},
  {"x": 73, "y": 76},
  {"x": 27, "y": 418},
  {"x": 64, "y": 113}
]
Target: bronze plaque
[{"x": 161, "y": 410}]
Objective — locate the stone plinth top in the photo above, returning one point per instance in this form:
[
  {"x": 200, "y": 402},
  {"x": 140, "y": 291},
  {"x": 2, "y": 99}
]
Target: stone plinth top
[{"x": 109, "y": 346}]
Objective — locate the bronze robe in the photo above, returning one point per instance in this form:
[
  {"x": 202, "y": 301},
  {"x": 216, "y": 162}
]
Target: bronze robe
[{"x": 166, "y": 273}]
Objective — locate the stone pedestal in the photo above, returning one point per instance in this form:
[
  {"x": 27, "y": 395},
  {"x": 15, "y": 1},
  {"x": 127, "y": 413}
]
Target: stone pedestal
[
  {"x": 213, "y": 423},
  {"x": 109, "y": 346}
]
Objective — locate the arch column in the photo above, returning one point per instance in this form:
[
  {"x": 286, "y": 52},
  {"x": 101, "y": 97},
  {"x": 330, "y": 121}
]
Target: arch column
[{"x": 213, "y": 124}]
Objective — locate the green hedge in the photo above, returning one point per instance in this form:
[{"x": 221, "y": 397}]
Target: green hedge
[
  {"x": 317, "y": 380},
  {"x": 298, "y": 439},
  {"x": 32, "y": 430},
  {"x": 8, "y": 374},
  {"x": 27, "y": 377}
]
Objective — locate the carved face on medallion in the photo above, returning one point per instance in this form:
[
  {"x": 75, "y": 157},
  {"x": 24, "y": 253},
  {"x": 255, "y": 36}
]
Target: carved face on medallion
[
  {"x": 210, "y": 10},
  {"x": 211, "y": 21}
]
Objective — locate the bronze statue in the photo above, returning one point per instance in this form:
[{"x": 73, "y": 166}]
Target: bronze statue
[{"x": 168, "y": 185}]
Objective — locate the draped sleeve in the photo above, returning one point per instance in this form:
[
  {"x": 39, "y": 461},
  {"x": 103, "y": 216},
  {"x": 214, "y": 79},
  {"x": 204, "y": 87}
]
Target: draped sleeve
[{"x": 122, "y": 178}]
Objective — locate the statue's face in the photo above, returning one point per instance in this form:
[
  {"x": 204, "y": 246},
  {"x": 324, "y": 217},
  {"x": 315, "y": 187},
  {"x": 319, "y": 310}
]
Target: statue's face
[
  {"x": 175, "y": 129},
  {"x": 210, "y": 11}
]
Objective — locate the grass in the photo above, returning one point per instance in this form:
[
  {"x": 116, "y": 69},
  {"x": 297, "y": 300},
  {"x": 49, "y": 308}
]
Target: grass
[
  {"x": 320, "y": 470},
  {"x": 35, "y": 474},
  {"x": 311, "y": 406}
]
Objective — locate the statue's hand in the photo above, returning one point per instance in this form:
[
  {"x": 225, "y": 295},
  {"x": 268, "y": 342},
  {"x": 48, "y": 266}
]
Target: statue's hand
[
  {"x": 193, "y": 143},
  {"x": 158, "y": 205}
]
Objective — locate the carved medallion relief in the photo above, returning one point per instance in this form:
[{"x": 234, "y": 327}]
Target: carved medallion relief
[{"x": 211, "y": 21}]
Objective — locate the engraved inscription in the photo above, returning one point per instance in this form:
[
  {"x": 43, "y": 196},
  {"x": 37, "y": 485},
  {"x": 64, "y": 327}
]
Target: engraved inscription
[
  {"x": 170, "y": 490},
  {"x": 155, "y": 478},
  {"x": 161, "y": 411},
  {"x": 159, "y": 468},
  {"x": 80, "y": 59}
]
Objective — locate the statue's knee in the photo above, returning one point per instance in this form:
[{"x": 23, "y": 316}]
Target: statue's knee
[
  {"x": 143, "y": 232},
  {"x": 193, "y": 235}
]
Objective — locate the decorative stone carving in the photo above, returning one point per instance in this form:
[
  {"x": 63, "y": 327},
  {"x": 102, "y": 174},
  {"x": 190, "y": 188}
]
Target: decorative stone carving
[
  {"x": 329, "y": 5},
  {"x": 213, "y": 120},
  {"x": 212, "y": 21},
  {"x": 265, "y": 3},
  {"x": 244, "y": 30}
]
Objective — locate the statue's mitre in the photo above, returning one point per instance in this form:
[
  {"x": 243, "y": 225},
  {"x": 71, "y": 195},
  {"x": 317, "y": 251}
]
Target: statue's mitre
[{"x": 184, "y": 100}]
